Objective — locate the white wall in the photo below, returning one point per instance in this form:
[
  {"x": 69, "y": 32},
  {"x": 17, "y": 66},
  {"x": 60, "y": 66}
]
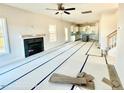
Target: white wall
[
  {"x": 120, "y": 43},
  {"x": 22, "y": 22},
  {"x": 108, "y": 23}
]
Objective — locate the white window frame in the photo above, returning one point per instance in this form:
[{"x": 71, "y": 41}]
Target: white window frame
[
  {"x": 52, "y": 33},
  {"x": 5, "y": 35}
]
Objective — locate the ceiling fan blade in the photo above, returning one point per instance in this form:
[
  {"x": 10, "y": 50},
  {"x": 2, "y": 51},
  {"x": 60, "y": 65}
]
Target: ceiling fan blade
[
  {"x": 56, "y": 13},
  {"x": 86, "y": 12},
  {"x": 51, "y": 9},
  {"x": 67, "y": 12},
  {"x": 67, "y": 9}
]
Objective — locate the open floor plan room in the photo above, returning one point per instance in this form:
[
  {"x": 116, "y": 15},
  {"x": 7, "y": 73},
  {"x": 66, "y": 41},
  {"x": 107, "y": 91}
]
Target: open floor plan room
[{"x": 61, "y": 46}]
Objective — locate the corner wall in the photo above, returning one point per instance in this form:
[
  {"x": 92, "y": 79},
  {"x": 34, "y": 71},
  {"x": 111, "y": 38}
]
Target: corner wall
[
  {"x": 22, "y": 22},
  {"x": 107, "y": 24},
  {"x": 120, "y": 44}
]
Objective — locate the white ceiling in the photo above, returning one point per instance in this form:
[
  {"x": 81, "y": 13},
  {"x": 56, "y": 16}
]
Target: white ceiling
[{"x": 76, "y": 16}]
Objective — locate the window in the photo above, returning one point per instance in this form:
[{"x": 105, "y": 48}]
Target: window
[
  {"x": 4, "y": 46},
  {"x": 66, "y": 34},
  {"x": 52, "y": 33}
]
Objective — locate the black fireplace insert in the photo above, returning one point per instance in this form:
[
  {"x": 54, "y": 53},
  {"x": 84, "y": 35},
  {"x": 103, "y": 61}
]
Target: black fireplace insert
[{"x": 33, "y": 46}]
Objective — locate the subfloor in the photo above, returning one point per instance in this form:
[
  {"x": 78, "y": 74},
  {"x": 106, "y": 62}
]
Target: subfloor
[{"x": 34, "y": 72}]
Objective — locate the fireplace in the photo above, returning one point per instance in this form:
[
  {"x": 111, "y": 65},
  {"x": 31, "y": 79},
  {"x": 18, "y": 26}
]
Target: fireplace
[{"x": 33, "y": 46}]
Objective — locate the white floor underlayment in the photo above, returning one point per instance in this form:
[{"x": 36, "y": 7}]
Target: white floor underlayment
[{"x": 35, "y": 71}]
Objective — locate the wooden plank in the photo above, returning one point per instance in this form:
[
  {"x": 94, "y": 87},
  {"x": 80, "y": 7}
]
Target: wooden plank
[
  {"x": 115, "y": 83},
  {"x": 89, "y": 78},
  {"x": 112, "y": 84},
  {"x": 90, "y": 85},
  {"x": 80, "y": 75},
  {"x": 60, "y": 78},
  {"x": 108, "y": 82},
  {"x": 114, "y": 78}
]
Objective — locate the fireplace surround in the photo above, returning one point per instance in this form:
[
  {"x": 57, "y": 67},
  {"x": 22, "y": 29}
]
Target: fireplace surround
[{"x": 33, "y": 46}]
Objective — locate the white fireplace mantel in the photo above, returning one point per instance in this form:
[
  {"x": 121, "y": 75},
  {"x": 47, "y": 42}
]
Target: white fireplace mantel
[{"x": 32, "y": 36}]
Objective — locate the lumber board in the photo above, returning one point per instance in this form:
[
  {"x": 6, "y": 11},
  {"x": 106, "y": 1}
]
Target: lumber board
[{"x": 59, "y": 78}]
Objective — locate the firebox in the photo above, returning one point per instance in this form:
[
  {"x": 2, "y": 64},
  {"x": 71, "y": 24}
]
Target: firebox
[{"x": 33, "y": 46}]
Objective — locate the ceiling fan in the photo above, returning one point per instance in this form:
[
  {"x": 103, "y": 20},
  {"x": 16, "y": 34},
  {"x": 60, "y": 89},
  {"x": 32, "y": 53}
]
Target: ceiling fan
[{"x": 61, "y": 9}]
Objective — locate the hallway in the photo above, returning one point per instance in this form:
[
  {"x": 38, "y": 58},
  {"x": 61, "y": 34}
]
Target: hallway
[{"x": 35, "y": 71}]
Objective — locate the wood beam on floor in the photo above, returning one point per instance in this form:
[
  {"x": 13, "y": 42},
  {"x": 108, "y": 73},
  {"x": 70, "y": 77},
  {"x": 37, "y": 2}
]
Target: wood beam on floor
[{"x": 114, "y": 76}]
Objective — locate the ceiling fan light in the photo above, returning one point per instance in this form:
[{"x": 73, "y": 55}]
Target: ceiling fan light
[{"x": 60, "y": 11}]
